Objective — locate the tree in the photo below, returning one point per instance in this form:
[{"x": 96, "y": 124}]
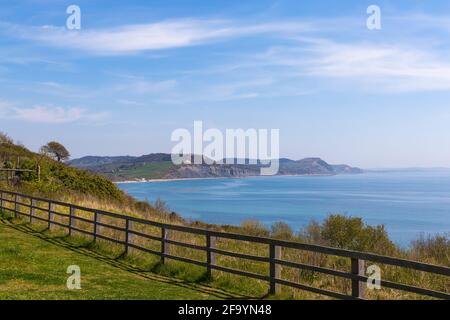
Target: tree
[{"x": 56, "y": 150}]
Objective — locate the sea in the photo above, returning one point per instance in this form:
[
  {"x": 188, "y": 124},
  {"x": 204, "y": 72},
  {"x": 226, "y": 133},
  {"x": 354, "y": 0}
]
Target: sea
[{"x": 409, "y": 204}]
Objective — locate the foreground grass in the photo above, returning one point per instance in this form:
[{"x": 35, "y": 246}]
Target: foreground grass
[{"x": 35, "y": 268}]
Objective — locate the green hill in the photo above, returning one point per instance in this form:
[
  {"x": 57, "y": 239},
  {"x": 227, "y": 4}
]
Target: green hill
[
  {"x": 59, "y": 181},
  {"x": 56, "y": 178}
]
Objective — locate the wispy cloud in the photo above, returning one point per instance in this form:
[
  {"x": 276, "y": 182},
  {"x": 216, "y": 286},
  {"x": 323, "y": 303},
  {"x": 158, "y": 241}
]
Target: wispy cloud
[
  {"x": 298, "y": 51},
  {"x": 142, "y": 86},
  {"x": 127, "y": 102},
  {"x": 381, "y": 67},
  {"x": 49, "y": 114},
  {"x": 130, "y": 39},
  {"x": 394, "y": 67}
]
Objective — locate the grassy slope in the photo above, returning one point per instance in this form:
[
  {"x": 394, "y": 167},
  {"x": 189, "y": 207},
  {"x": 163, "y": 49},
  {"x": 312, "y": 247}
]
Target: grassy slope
[
  {"x": 36, "y": 269},
  {"x": 154, "y": 170},
  {"x": 56, "y": 178},
  {"x": 62, "y": 182}
]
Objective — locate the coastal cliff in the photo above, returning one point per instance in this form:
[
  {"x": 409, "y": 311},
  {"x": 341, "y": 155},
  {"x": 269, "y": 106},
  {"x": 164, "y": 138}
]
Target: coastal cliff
[{"x": 160, "y": 166}]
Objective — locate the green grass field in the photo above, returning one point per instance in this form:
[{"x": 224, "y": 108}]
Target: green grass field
[
  {"x": 33, "y": 266},
  {"x": 155, "y": 170}
]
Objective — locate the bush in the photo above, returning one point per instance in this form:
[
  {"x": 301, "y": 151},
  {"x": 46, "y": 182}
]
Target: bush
[
  {"x": 312, "y": 233},
  {"x": 142, "y": 206},
  {"x": 30, "y": 165},
  {"x": 281, "y": 230},
  {"x": 161, "y": 205},
  {"x": 254, "y": 228},
  {"x": 433, "y": 249},
  {"x": 353, "y": 234}
]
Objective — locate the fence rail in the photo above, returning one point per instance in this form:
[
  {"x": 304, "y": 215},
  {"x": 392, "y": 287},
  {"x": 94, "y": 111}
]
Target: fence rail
[{"x": 275, "y": 247}]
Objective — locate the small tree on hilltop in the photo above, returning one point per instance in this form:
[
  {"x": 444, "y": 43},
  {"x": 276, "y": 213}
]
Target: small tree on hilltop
[{"x": 56, "y": 150}]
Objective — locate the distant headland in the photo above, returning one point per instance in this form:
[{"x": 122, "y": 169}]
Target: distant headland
[{"x": 157, "y": 166}]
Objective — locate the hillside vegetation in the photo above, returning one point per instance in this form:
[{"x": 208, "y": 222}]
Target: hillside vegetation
[
  {"x": 59, "y": 181},
  {"x": 55, "y": 177}
]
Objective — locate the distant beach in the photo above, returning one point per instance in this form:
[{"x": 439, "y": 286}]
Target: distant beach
[{"x": 218, "y": 178}]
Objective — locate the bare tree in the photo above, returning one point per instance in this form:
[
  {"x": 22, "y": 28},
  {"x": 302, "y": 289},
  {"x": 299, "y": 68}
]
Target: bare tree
[{"x": 56, "y": 150}]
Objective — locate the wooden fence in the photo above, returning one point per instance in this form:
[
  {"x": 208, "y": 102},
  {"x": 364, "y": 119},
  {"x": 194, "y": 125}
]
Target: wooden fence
[{"x": 15, "y": 202}]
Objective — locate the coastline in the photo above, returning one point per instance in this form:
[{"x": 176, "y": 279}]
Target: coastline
[
  {"x": 215, "y": 178},
  {"x": 169, "y": 180}
]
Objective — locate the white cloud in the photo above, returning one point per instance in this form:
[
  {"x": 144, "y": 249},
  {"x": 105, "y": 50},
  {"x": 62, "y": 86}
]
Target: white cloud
[
  {"x": 145, "y": 37},
  {"x": 387, "y": 64},
  {"x": 373, "y": 66},
  {"x": 49, "y": 114},
  {"x": 394, "y": 67}
]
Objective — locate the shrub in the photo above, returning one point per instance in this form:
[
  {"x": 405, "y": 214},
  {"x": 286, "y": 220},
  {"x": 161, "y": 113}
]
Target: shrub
[
  {"x": 254, "y": 228},
  {"x": 281, "y": 230},
  {"x": 30, "y": 165},
  {"x": 433, "y": 249},
  {"x": 312, "y": 233},
  {"x": 353, "y": 234},
  {"x": 142, "y": 206},
  {"x": 161, "y": 205}
]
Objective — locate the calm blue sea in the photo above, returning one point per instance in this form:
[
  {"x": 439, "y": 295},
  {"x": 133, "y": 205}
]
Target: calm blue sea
[{"x": 408, "y": 204}]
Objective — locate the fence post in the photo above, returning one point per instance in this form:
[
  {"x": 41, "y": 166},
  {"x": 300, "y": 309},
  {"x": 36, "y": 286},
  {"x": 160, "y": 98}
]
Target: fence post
[
  {"x": 275, "y": 269},
  {"x": 95, "y": 225},
  {"x": 127, "y": 226},
  {"x": 358, "y": 287},
  {"x": 16, "y": 206},
  {"x": 51, "y": 208},
  {"x": 71, "y": 214},
  {"x": 131, "y": 235},
  {"x": 32, "y": 209},
  {"x": 165, "y": 247},
  {"x": 211, "y": 256}
]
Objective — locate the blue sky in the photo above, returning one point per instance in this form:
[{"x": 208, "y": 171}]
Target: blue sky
[{"x": 137, "y": 70}]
